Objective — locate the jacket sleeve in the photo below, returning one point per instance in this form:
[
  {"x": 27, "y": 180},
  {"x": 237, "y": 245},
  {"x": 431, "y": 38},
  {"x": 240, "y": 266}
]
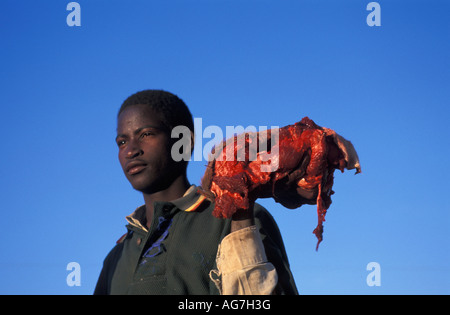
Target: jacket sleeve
[
  {"x": 253, "y": 260},
  {"x": 242, "y": 266},
  {"x": 103, "y": 286},
  {"x": 275, "y": 251}
]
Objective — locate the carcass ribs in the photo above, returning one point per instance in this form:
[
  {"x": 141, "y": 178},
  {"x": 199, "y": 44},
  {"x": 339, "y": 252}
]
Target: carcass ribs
[{"x": 294, "y": 165}]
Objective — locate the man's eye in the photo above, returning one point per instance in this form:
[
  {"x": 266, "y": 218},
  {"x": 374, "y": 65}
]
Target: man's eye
[
  {"x": 148, "y": 133},
  {"x": 120, "y": 142}
]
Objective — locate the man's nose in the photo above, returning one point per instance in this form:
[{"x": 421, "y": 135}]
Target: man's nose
[{"x": 133, "y": 150}]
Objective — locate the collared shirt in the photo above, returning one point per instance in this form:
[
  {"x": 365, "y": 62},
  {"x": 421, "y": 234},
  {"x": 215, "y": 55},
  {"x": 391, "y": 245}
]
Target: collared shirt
[{"x": 189, "y": 251}]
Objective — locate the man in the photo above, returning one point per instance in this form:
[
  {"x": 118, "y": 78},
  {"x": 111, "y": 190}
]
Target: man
[{"x": 173, "y": 244}]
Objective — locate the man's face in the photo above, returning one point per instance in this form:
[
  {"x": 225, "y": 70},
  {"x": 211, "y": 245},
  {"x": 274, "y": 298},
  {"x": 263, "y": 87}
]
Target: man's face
[{"x": 144, "y": 149}]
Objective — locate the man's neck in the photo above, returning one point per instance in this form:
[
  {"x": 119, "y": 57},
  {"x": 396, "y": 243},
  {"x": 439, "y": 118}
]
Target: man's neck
[{"x": 176, "y": 190}]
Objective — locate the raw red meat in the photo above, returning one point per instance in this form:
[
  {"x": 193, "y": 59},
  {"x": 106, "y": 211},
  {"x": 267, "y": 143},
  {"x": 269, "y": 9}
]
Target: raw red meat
[{"x": 300, "y": 172}]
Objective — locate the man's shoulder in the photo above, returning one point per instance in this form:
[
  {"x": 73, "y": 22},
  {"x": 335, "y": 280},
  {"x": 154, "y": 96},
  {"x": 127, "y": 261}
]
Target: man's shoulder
[{"x": 262, "y": 214}]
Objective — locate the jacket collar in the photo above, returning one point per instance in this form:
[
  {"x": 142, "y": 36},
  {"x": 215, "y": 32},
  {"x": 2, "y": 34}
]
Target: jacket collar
[{"x": 190, "y": 202}]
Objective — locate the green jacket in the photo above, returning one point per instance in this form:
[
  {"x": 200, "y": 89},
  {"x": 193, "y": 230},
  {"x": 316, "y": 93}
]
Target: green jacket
[{"x": 179, "y": 250}]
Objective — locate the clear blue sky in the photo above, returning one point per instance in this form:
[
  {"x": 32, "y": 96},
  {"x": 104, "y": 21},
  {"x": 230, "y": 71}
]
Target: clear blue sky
[{"x": 386, "y": 88}]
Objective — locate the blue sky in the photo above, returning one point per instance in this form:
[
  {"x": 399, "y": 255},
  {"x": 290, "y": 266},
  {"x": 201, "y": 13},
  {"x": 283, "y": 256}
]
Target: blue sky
[{"x": 260, "y": 63}]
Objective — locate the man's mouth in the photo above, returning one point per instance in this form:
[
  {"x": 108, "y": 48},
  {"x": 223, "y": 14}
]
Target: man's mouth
[{"x": 134, "y": 168}]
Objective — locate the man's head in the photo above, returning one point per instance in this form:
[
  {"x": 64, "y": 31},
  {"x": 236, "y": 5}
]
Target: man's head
[
  {"x": 144, "y": 125},
  {"x": 173, "y": 111}
]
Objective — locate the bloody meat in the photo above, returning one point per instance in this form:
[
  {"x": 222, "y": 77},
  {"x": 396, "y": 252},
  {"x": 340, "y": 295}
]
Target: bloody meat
[{"x": 300, "y": 172}]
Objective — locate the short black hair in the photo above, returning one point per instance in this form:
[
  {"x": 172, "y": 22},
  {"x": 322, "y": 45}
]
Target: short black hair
[{"x": 173, "y": 110}]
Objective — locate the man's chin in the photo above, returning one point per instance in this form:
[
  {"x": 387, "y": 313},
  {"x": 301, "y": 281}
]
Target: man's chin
[
  {"x": 140, "y": 185},
  {"x": 146, "y": 187}
]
